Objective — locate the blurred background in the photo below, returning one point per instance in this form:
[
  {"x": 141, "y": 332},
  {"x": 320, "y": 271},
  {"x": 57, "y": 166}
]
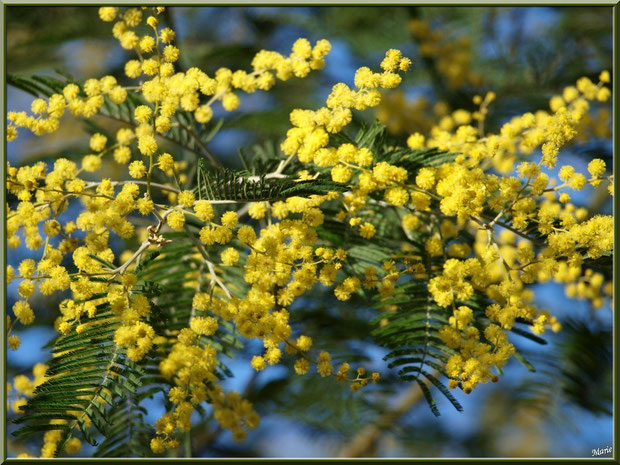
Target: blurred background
[{"x": 525, "y": 55}]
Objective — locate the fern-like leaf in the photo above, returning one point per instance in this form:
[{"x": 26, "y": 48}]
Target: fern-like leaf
[
  {"x": 90, "y": 379},
  {"x": 240, "y": 186}
]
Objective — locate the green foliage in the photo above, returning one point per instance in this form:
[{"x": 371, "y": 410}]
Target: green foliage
[
  {"x": 412, "y": 332},
  {"x": 368, "y": 29},
  {"x": 93, "y": 381},
  {"x": 173, "y": 276},
  {"x": 328, "y": 406},
  {"x": 129, "y": 433},
  {"x": 39, "y": 86},
  {"x": 90, "y": 375},
  {"x": 586, "y": 367},
  {"x": 223, "y": 184},
  {"x": 580, "y": 373},
  {"x": 41, "y": 31}
]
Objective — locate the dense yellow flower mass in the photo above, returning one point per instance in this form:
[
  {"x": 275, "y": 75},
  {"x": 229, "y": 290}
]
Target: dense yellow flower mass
[
  {"x": 453, "y": 57},
  {"x": 280, "y": 253}
]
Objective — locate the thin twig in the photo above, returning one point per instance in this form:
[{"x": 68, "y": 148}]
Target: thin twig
[
  {"x": 207, "y": 259},
  {"x": 365, "y": 442}
]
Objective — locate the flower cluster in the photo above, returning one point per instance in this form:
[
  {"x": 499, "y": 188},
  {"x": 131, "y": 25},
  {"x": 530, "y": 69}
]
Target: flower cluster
[
  {"x": 453, "y": 57},
  {"x": 480, "y": 200},
  {"x": 310, "y": 135},
  {"x": 547, "y": 131},
  {"x": 403, "y": 115},
  {"x": 282, "y": 261},
  {"x": 476, "y": 239}
]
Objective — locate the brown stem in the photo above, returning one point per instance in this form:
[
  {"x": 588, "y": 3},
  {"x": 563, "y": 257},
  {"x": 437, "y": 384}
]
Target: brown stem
[{"x": 364, "y": 443}]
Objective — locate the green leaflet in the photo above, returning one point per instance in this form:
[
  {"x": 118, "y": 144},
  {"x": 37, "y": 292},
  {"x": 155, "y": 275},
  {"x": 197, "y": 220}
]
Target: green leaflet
[
  {"x": 39, "y": 86},
  {"x": 412, "y": 332},
  {"x": 428, "y": 396},
  {"x": 224, "y": 184},
  {"x": 91, "y": 378}
]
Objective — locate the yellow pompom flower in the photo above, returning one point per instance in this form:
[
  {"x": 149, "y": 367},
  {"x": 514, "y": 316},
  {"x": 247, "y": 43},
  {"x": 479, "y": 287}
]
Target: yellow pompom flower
[
  {"x": 137, "y": 169},
  {"x": 23, "y": 312},
  {"x": 124, "y": 136},
  {"x": 425, "y": 178},
  {"x": 324, "y": 366},
  {"x": 304, "y": 343},
  {"x": 577, "y": 182},
  {"x": 258, "y": 363},
  {"x": 186, "y": 199},
  {"x": 257, "y": 210},
  {"x": 341, "y": 173},
  {"x": 230, "y": 219},
  {"x": 566, "y": 172},
  {"x": 416, "y": 141},
  {"x": 145, "y": 205},
  {"x": 596, "y": 167},
  {"x": 246, "y": 235},
  {"x": 122, "y": 155},
  {"x": 434, "y": 247},
  {"x": 165, "y": 161},
  {"x": 230, "y": 256},
  {"x": 302, "y": 366},
  {"x": 167, "y": 35},
  {"x": 98, "y": 142},
  {"x": 146, "y": 44},
  {"x": 150, "y": 66},
  {"x": 147, "y": 145},
  {"x": 133, "y": 69},
  {"x": 206, "y": 326},
  {"x": 142, "y": 114},
  {"x": 230, "y": 101},
  {"x": 367, "y": 230},
  {"x": 39, "y": 106},
  {"x": 91, "y": 163},
  {"x": 396, "y": 196},
  {"x": 14, "y": 342},
  {"x": 171, "y": 53},
  {"x": 108, "y": 13},
  {"x": 176, "y": 220},
  {"x": 203, "y": 210},
  {"x": 203, "y": 114}
]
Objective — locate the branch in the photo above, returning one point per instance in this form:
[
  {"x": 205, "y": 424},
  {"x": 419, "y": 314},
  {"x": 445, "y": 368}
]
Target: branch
[
  {"x": 152, "y": 239},
  {"x": 207, "y": 259},
  {"x": 207, "y": 153},
  {"x": 364, "y": 443}
]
